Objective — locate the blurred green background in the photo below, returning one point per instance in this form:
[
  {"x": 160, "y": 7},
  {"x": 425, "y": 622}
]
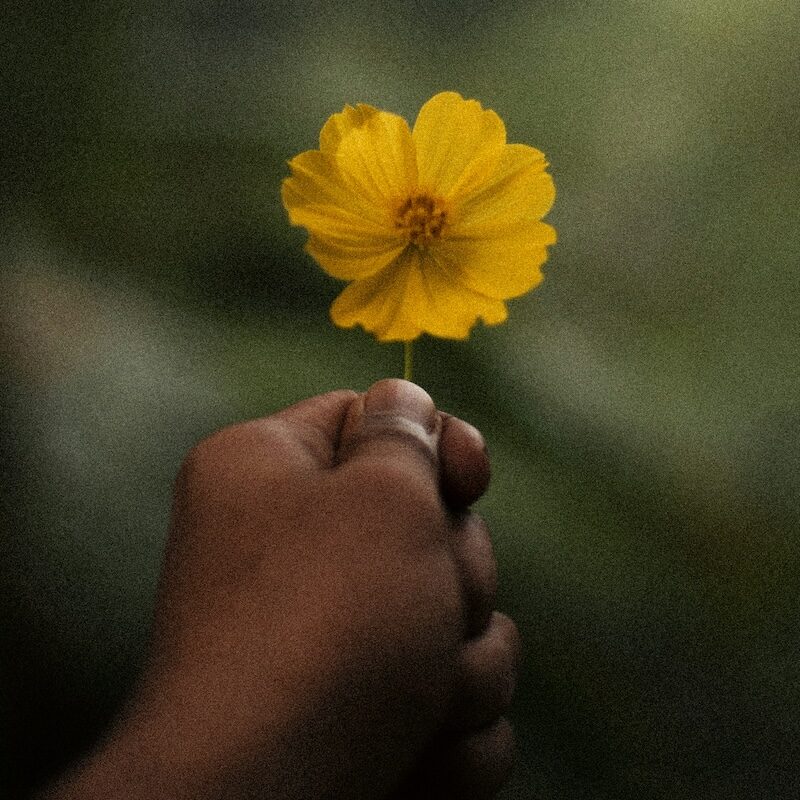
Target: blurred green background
[{"x": 641, "y": 407}]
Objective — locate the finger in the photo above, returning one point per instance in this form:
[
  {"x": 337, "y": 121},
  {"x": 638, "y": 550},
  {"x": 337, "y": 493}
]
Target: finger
[
  {"x": 471, "y": 767},
  {"x": 300, "y": 437},
  {"x": 478, "y": 765},
  {"x": 395, "y": 423},
  {"x": 464, "y": 462},
  {"x": 489, "y": 665},
  {"x": 472, "y": 549},
  {"x": 316, "y": 423}
]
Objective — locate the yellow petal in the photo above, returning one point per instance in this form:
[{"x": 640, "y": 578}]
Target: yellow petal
[
  {"x": 520, "y": 189},
  {"x": 377, "y": 161},
  {"x": 411, "y": 297},
  {"x": 458, "y": 144},
  {"x": 374, "y": 304},
  {"x": 342, "y": 123},
  {"x": 502, "y": 267},
  {"x": 348, "y": 237},
  {"x": 444, "y": 305},
  {"x": 353, "y": 259},
  {"x": 316, "y": 183}
]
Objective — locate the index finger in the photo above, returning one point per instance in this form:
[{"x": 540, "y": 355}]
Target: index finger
[{"x": 316, "y": 423}]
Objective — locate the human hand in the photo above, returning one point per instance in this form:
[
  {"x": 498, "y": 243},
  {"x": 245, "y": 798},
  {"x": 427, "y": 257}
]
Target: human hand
[{"x": 324, "y": 625}]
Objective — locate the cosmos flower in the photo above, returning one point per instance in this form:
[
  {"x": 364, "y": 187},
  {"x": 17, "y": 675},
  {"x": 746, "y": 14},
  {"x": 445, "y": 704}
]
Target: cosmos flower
[{"x": 434, "y": 228}]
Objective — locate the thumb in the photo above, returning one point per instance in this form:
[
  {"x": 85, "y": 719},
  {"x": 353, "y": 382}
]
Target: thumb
[{"x": 394, "y": 421}]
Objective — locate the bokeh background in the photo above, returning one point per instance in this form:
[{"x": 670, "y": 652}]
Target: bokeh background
[{"x": 641, "y": 407}]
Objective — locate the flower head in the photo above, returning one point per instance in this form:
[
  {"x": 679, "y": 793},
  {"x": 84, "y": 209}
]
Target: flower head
[{"x": 434, "y": 227}]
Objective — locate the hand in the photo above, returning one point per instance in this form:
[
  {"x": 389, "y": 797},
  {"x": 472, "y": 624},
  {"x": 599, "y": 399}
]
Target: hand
[{"x": 324, "y": 625}]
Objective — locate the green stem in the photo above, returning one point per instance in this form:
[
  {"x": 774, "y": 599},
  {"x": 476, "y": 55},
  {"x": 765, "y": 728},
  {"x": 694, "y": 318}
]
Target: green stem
[{"x": 407, "y": 359}]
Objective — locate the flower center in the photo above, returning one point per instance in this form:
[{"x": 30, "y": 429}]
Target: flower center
[{"x": 423, "y": 217}]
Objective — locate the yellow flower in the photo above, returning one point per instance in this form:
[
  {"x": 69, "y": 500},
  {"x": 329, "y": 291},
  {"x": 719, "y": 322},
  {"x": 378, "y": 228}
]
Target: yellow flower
[{"x": 434, "y": 227}]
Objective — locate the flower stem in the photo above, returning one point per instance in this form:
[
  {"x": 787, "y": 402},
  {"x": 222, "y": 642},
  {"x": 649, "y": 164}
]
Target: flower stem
[{"x": 408, "y": 360}]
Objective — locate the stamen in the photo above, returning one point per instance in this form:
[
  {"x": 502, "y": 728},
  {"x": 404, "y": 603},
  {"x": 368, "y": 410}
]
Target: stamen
[{"x": 423, "y": 217}]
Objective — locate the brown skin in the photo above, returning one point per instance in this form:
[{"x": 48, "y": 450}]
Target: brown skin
[{"x": 325, "y": 624}]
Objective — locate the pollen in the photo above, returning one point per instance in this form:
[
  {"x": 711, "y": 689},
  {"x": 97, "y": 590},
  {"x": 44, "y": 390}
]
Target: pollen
[{"x": 423, "y": 217}]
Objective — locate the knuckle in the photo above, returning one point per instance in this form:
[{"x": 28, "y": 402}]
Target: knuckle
[
  {"x": 208, "y": 461},
  {"x": 485, "y": 760},
  {"x": 191, "y": 467},
  {"x": 494, "y": 756},
  {"x": 483, "y": 557},
  {"x": 196, "y": 463},
  {"x": 466, "y": 465},
  {"x": 503, "y": 749},
  {"x": 474, "y": 554},
  {"x": 489, "y": 675},
  {"x": 510, "y": 638}
]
